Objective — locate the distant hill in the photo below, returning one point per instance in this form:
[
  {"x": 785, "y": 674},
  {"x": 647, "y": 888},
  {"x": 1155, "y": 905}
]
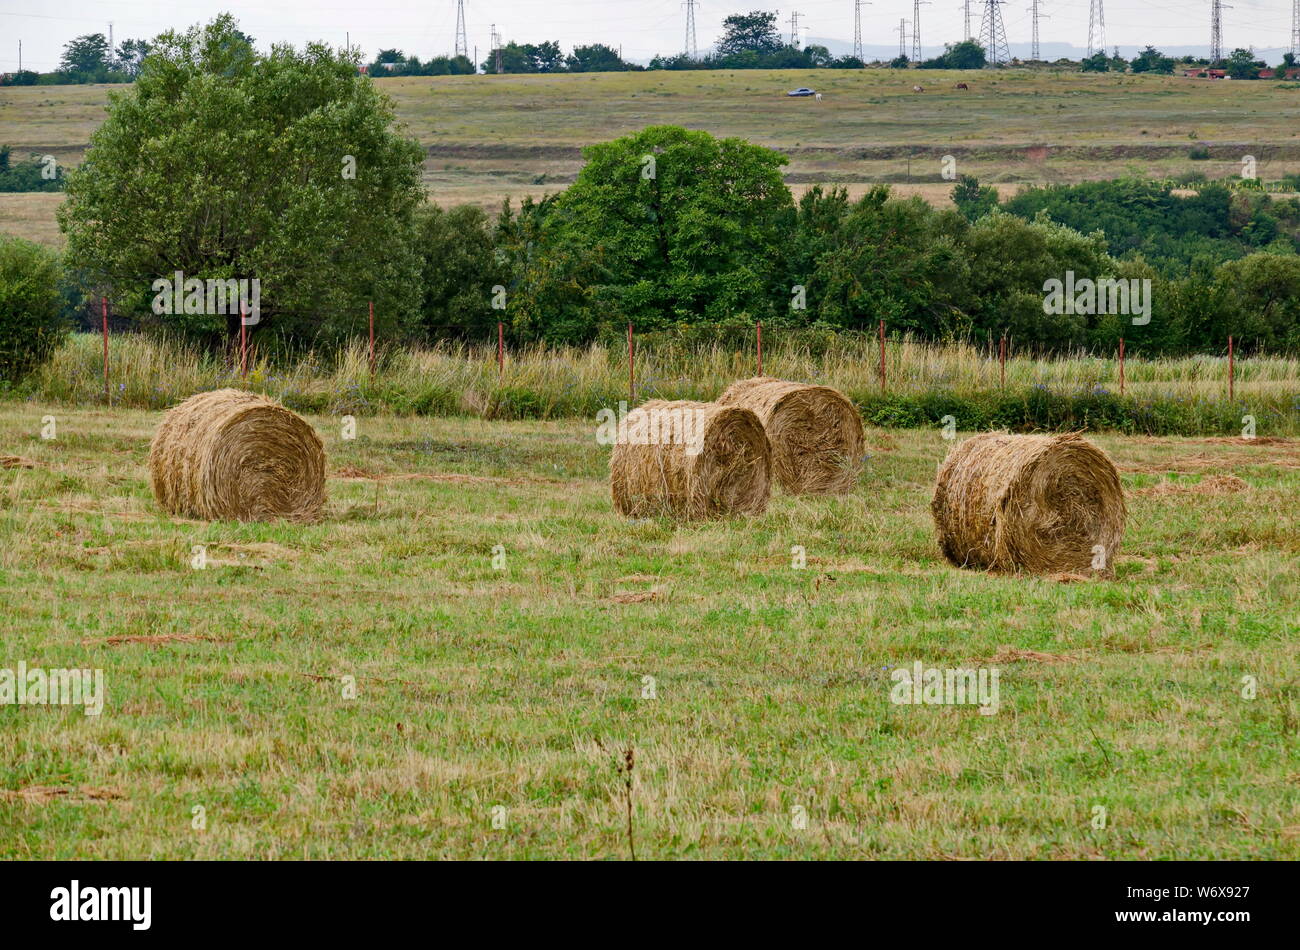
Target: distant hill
[{"x": 1050, "y": 51}]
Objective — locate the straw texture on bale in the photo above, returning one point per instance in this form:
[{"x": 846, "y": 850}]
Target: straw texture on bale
[
  {"x": 1040, "y": 504},
  {"x": 229, "y": 455},
  {"x": 816, "y": 433},
  {"x": 731, "y": 473}
]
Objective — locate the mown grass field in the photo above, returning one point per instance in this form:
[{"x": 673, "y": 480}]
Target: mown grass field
[
  {"x": 523, "y": 687},
  {"x": 492, "y": 137}
]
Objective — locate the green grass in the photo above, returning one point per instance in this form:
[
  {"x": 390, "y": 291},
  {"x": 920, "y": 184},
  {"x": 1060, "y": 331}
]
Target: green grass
[
  {"x": 522, "y": 687},
  {"x": 926, "y": 382}
]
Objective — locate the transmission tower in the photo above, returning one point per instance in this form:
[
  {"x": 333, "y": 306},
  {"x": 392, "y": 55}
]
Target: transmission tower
[
  {"x": 692, "y": 45},
  {"x": 857, "y": 26},
  {"x": 462, "y": 42},
  {"x": 1096, "y": 28},
  {"x": 496, "y": 46},
  {"x": 1216, "y": 32},
  {"x": 966, "y": 34},
  {"x": 902, "y": 38},
  {"x": 794, "y": 28},
  {"x": 993, "y": 34},
  {"x": 1034, "y": 13},
  {"x": 916, "y": 28},
  {"x": 1295, "y": 27}
]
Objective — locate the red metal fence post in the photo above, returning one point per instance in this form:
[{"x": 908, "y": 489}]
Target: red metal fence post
[
  {"x": 103, "y": 311},
  {"x": 760, "y": 347},
  {"x": 882, "y": 356},
  {"x": 1232, "y": 387},
  {"x": 1121, "y": 366},
  {"x": 1002, "y": 359},
  {"x": 372, "y": 341},
  {"x": 243, "y": 343},
  {"x": 631, "y": 365}
]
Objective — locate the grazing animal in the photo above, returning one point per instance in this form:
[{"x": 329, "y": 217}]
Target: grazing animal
[
  {"x": 962, "y": 85},
  {"x": 819, "y": 97},
  {"x": 918, "y": 89}
]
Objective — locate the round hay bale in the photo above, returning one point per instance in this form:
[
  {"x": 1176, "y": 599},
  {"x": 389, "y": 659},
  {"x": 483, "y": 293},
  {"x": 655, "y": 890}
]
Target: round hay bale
[
  {"x": 1044, "y": 504},
  {"x": 690, "y": 460},
  {"x": 229, "y": 455},
  {"x": 816, "y": 433}
]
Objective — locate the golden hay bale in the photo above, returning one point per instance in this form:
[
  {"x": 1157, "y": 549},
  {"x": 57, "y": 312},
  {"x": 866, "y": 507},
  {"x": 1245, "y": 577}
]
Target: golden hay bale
[
  {"x": 1045, "y": 504},
  {"x": 816, "y": 433},
  {"x": 690, "y": 460},
  {"x": 233, "y": 455}
]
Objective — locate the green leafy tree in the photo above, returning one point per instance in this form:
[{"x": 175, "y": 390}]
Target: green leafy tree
[
  {"x": 548, "y": 58},
  {"x": 818, "y": 56},
  {"x": 967, "y": 54},
  {"x": 1242, "y": 64},
  {"x": 31, "y": 325},
  {"x": 973, "y": 200},
  {"x": 130, "y": 56},
  {"x": 595, "y": 58},
  {"x": 87, "y": 55},
  {"x": 525, "y": 58},
  {"x": 753, "y": 32},
  {"x": 899, "y": 62},
  {"x": 225, "y": 164},
  {"x": 1151, "y": 60},
  {"x": 1098, "y": 62},
  {"x": 680, "y": 227},
  {"x": 459, "y": 268},
  {"x": 1263, "y": 295},
  {"x": 1010, "y": 261},
  {"x": 879, "y": 259}
]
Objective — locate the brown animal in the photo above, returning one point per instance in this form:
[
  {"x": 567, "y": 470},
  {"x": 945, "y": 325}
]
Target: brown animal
[{"x": 962, "y": 85}]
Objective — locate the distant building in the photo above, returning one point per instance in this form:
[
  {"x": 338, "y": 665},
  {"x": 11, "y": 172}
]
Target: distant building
[{"x": 1200, "y": 72}]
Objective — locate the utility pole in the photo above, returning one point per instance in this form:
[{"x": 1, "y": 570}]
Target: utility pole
[
  {"x": 993, "y": 34},
  {"x": 692, "y": 45},
  {"x": 916, "y": 28},
  {"x": 794, "y": 28},
  {"x": 857, "y": 27},
  {"x": 1096, "y": 28},
  {"x": 1295, "y": 27},
  {"x": 902, "y": 38},
  {"x": 110, "y": 40},
  {"x": 1034, "y": 12},
  {"x": 462, "y": 41},
  {"x": 20, "y": 53},
  {"x": 496, "y": 46},
  {"x": 966, "y": 33},
  {"x": 1216, "y": 31}
]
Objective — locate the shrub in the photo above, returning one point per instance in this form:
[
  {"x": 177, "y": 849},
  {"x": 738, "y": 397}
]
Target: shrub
[{"x": 31, "y": 322}]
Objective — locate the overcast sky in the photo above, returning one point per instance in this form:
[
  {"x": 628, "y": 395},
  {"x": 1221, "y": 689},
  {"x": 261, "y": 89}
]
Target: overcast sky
[{"x": 642, "y": 27}]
